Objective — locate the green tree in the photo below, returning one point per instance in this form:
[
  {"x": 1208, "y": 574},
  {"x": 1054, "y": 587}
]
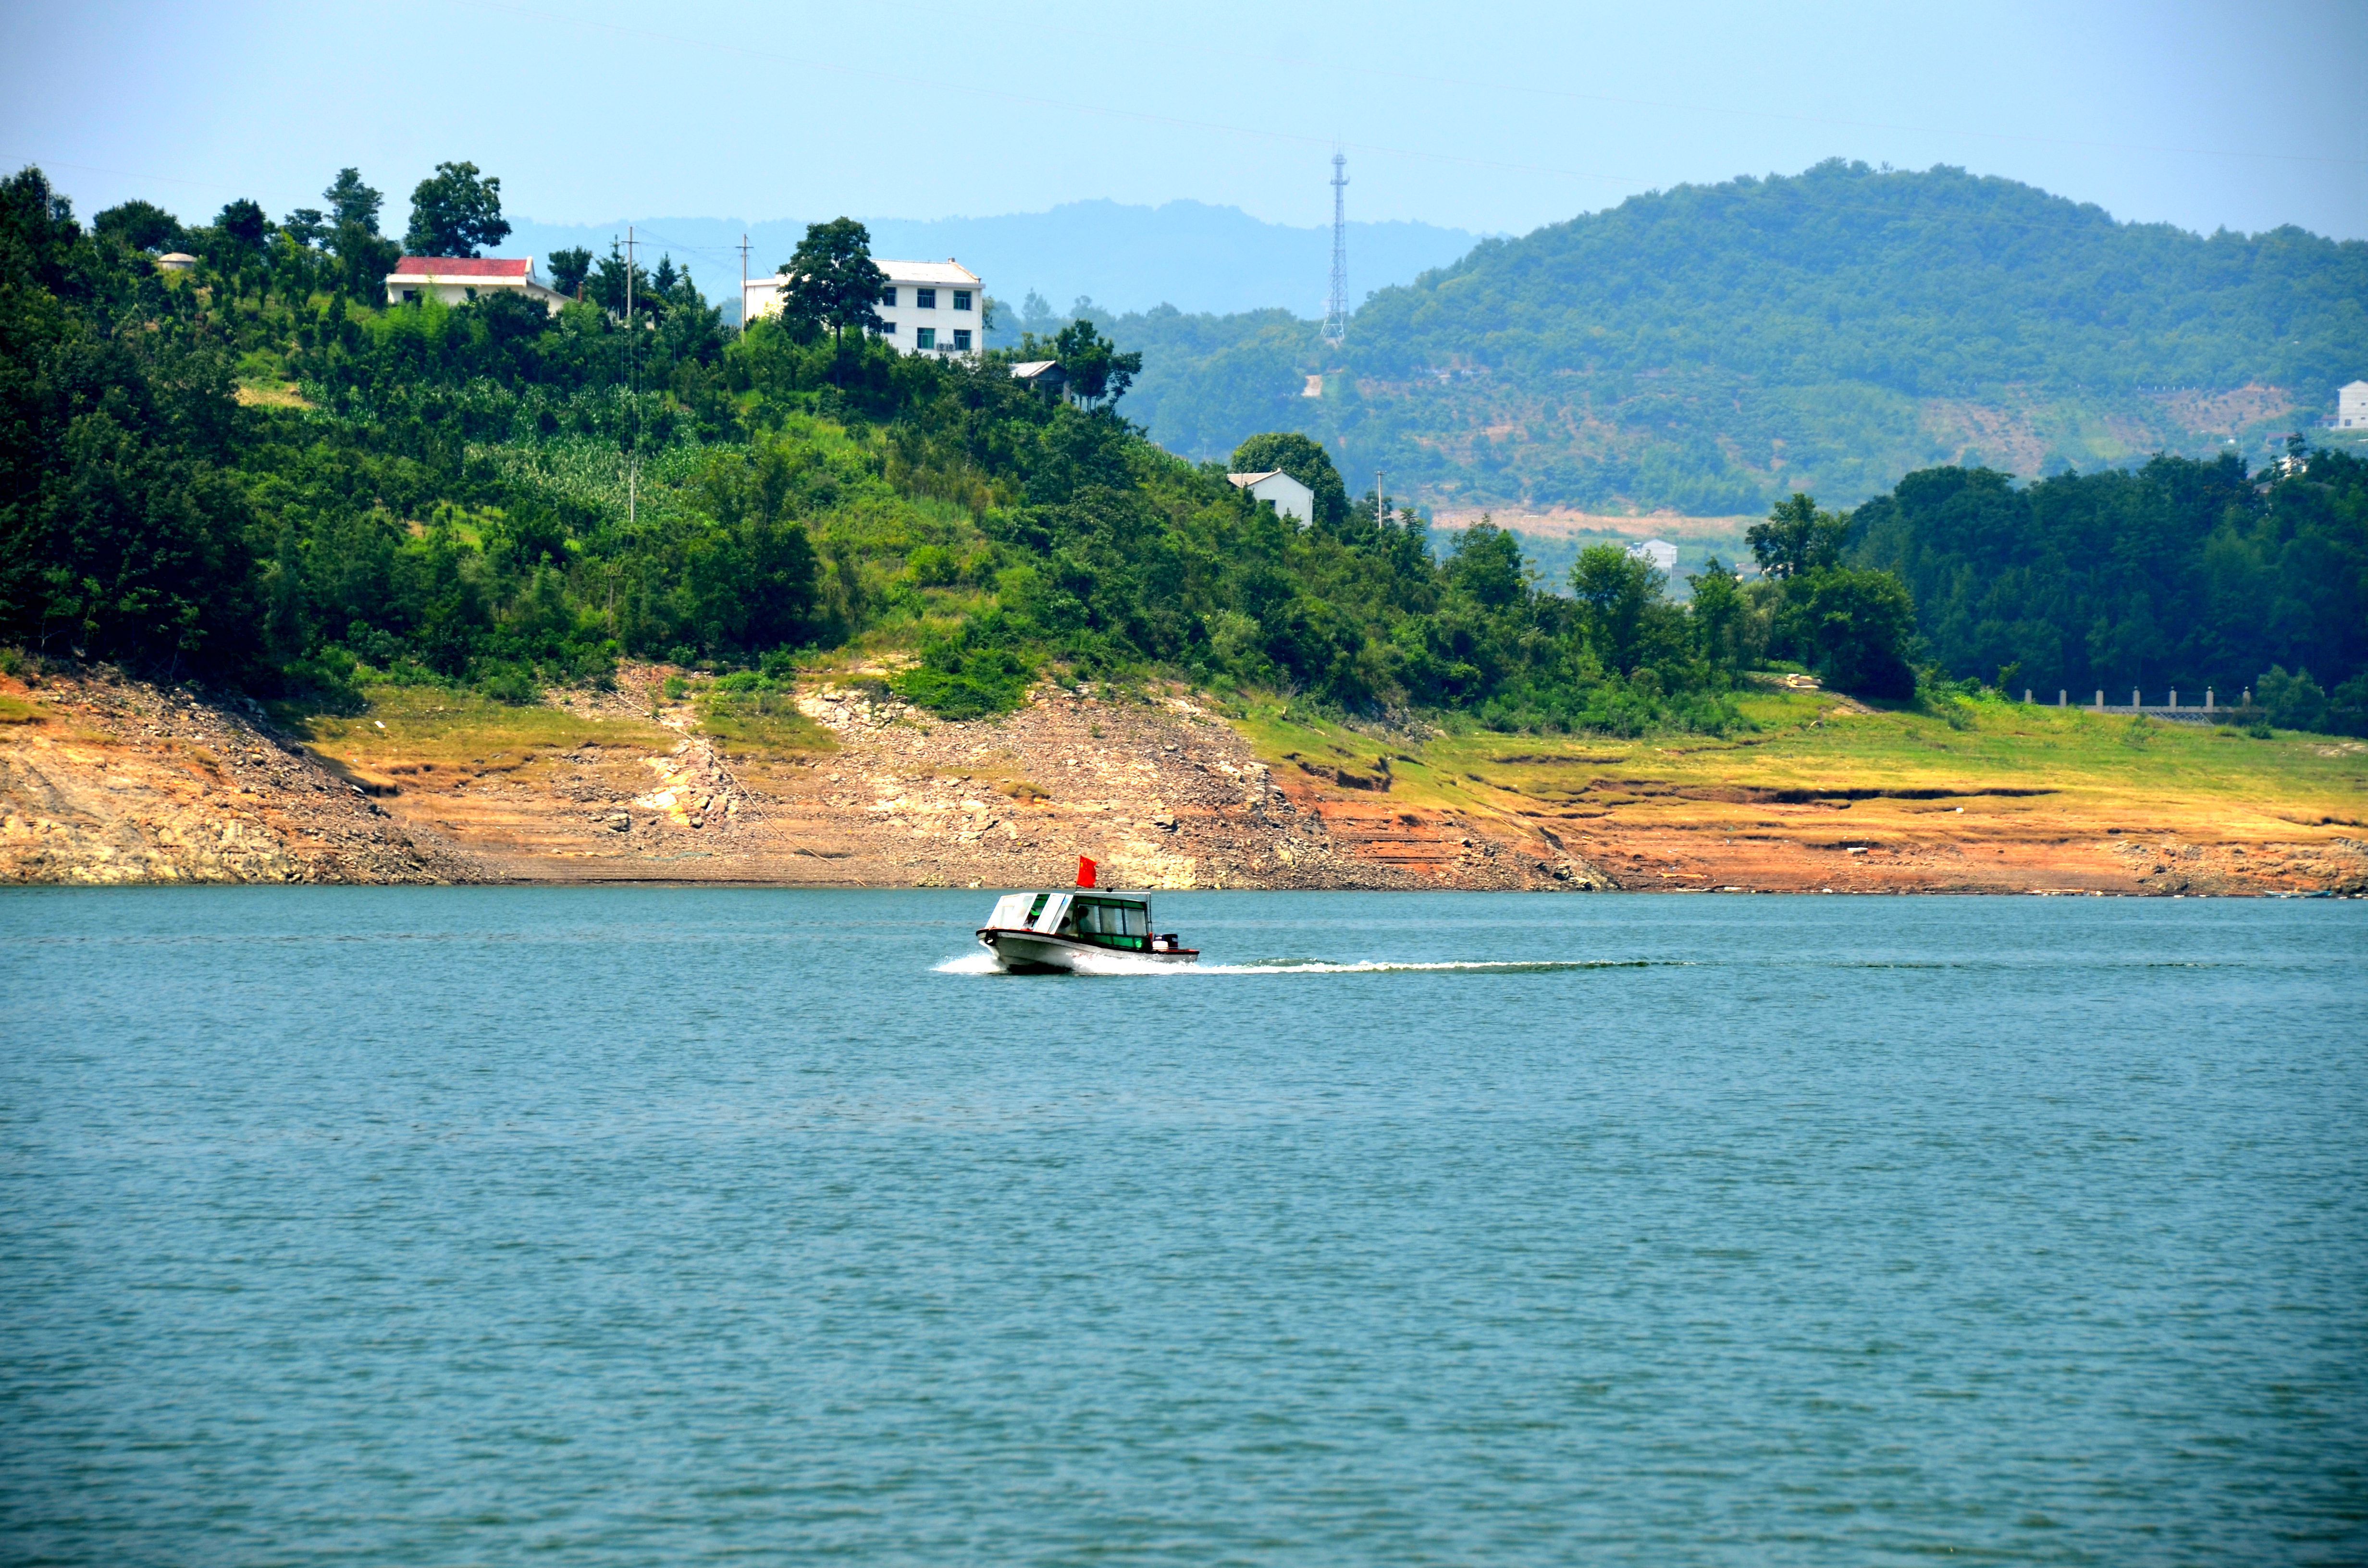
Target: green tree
[
  {"x": 1854, "y": 628},
  {"x": 351, "y": 201},
  {"x": 1797, "y": 538},
  {"x": 569, "y": 267},
  {"x": 1305, "y": 461},
  {"x": 242, "y": 223},
  {"x": 306, "y": 226},
  {"x": 1719, "y": 614},
  {"x": 455, "y": 211},
  {"x": 1614, "y": 590},
  {"x": 142, "y": 225},
  {"x": 2182, "y": 574},
  {"x": 424, "y": 515},
  {"x": 2292, "y": 701},
  {"x": 2346, "y": 707},
  {"x": 609, "y": 283},
  {"x": 364, "y": 257},
  {"x": 1486, "y": 567},
  {"x": 363, "y": 261},
  {"x": 830, "y": 281},
  {"x": 1097, "y": 373}
]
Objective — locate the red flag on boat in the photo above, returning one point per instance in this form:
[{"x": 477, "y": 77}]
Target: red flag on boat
[{"x": 1086, "y": 869}]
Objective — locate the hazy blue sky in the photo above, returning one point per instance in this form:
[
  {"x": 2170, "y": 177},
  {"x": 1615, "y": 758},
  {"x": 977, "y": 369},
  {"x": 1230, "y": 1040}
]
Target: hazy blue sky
[{"x": 1501, "y": 117}]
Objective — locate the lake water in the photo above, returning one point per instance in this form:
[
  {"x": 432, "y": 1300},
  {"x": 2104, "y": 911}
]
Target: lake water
[{"x": 672, "y": 1226}]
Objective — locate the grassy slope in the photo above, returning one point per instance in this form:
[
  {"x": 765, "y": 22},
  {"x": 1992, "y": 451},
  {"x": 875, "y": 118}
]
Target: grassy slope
[
  {"x": 2072, "y": 773},
  {"x": 429, "y": 729},
  {"x": 761, "y": 725}
]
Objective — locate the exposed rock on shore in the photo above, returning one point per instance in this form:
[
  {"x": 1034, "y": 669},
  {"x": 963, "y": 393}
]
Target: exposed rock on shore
[
  {"x": 111, "y": 779},
  {"x": 108, "y": 779}
]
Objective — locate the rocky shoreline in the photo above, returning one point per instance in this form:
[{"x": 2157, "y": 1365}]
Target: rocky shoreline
[
  {"x": 111, "y": 779},
  {"x": 105, "y": 779}
]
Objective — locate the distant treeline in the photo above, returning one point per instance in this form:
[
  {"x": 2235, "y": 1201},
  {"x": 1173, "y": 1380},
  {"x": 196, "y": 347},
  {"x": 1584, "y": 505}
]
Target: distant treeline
[{"x": 2182, "y": 574}]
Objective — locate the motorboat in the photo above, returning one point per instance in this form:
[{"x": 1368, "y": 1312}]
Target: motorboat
[{"x": 1040, "y": 933}]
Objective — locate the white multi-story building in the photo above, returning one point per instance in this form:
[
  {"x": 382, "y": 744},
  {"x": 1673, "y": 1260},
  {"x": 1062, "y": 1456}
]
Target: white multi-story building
[
  {"x": 927, "y": 307},
  {"x": 2351, "y": 407}
]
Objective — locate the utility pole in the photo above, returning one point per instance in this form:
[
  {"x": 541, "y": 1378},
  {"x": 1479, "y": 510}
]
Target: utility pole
[
  {"x": 1381, "y": 506},
  {"x": 744, "y": 283},
  {"x": 634, "y": 359},
  {"x": 1336, "y": 318}
]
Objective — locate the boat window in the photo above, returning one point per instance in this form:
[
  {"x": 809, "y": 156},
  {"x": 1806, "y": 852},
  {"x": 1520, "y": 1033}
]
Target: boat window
[
  {"x": 1130, "y": 923},
  {"x": 1036, "y": 909}
]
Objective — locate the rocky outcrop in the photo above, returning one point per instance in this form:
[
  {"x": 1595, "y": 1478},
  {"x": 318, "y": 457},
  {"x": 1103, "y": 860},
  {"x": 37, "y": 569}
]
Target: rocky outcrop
[
  {"x": 108, "y": 779},
  {"x": 1161, "y": 792}
]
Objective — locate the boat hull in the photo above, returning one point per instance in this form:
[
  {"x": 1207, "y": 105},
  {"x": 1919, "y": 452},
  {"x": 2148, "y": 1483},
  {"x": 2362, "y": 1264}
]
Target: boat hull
[{"x": 1034, "y": 952}]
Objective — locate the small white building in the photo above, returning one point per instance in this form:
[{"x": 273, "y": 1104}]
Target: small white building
[
  {"x": 456, "y": 280},
  {"x": 1659, "y": 552},
  {"x": 175, "y": 261},
  {"x": 1042, "y": 375},
  {"x": 1290, "y": 498},
  {"x": 927, "y": 307},
  {"x": 2351, "y": 407}
]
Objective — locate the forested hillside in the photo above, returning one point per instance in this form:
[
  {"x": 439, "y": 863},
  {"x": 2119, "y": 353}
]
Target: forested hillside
[
  {"x": 1711, "y": 348},
  {"x": 259, "y": 473}
]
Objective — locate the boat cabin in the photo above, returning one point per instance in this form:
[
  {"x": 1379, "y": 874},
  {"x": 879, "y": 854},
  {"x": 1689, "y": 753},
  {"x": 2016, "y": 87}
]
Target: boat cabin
[{"x": 1100, "y": 920}]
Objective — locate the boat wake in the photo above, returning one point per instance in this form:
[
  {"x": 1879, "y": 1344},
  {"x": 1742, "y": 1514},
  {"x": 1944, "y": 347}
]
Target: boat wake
[
  {"x": 1120, "y": 963},
  {"x": 1447, "y": 966}
]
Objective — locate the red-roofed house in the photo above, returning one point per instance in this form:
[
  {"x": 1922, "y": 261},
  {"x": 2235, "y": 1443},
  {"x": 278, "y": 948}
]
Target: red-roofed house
[{"x": 456, "y": 279}]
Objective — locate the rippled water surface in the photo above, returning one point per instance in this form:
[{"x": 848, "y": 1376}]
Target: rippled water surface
[{"x": 661, "y": 1226}]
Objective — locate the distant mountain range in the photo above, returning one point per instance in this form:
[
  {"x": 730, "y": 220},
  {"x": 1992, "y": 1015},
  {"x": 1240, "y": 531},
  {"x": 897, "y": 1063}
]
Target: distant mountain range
[{"x": 1194, "y": 256}]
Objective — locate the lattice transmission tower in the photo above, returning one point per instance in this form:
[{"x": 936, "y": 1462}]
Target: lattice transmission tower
[{"x": 1336, "y": 319}]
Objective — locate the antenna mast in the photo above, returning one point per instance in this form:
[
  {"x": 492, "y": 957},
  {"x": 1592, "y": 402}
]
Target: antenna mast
[{"x": 1336, "y": 318}]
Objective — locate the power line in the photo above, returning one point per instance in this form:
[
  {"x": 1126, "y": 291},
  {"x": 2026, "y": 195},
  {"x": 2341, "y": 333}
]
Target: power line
[{"x": 683, "y": 246}]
